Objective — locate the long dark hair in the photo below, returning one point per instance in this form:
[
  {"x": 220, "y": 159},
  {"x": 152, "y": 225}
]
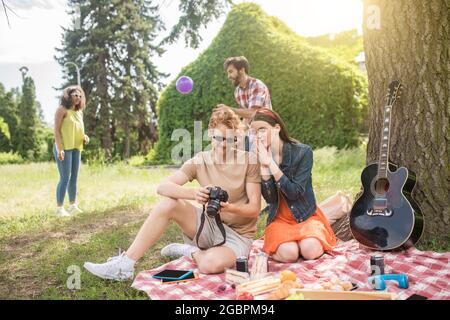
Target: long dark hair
[
  {"x": 66, "y": 98},
  {"x": 273, "y": 118}
]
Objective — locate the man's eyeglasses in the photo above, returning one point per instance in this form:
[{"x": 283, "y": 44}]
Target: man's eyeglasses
[{"x": 222, "y": 139}]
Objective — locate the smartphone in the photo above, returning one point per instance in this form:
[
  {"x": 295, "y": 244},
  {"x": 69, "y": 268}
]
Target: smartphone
[
  {"x": 192, "y": 276},
  {"x": 173, "y": 274}
]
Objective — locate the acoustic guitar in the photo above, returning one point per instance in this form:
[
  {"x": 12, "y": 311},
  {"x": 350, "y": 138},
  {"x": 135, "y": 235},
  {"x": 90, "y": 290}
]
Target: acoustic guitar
[{"x": 385, "y": 216}]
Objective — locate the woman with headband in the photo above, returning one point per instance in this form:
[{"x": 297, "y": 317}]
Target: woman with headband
[{"x": 295, "y": 226}]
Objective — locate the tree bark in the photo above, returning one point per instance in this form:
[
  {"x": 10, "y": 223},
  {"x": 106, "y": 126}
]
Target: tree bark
[
  {"x": 411, "y": 43},
  {"x": 126, "y": 130},
  {"x": 105, "y": 112}
]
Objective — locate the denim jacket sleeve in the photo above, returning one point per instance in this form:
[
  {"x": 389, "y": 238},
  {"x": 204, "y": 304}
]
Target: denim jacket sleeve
[
  {"x": 269, "y": 190},
  {"x": 295, "y": 187}
]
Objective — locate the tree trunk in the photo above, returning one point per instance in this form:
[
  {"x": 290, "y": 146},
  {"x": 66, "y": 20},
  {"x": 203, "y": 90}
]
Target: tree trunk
[
  {"x": 410, "y": 42},
  {"x": 105, "y": 112},
  {"x": 126, "y": 130}
]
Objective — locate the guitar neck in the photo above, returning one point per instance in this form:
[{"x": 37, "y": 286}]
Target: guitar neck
[{"x": 384, "y": 144}]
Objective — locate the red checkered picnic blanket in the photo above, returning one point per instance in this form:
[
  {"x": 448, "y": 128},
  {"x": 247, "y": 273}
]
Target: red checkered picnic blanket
[{"x": 428, "y": 273}]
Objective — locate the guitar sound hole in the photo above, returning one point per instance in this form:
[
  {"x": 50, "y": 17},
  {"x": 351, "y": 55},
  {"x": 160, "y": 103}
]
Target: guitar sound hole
[{"x": 382, "y": 186}]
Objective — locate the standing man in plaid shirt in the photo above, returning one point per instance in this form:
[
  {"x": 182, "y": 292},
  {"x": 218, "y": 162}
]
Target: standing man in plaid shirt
[{"x": 251, "y": 94}]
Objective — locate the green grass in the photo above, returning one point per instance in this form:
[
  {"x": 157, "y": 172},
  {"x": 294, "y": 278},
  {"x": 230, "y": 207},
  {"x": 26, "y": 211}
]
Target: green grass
[{"x": 37, "y": 248}]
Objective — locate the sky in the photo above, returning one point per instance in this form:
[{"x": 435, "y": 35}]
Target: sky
[{"x": 36, "y": 31}]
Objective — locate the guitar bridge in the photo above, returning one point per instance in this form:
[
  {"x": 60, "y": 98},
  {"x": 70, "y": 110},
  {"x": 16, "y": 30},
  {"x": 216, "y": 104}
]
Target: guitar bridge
[
  {"x": 379, "y": 208},
  {"x": 383, "y": 212}
]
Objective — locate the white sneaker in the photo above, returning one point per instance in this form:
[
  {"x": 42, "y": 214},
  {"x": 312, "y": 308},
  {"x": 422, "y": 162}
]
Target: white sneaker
[
  {"x": 176, "y": 250},
  {"x": 116, "y": 268},
  {"x": 73, "y": 209},
  {"x": 60, "y": 211}
]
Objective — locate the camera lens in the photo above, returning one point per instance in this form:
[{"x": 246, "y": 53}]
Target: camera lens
[
  {"x": 216, "y": 196},
  {"x": 213, "y": 207}
]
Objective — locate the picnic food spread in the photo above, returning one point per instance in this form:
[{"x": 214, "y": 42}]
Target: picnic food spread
[{"x": 287, "y": 287}]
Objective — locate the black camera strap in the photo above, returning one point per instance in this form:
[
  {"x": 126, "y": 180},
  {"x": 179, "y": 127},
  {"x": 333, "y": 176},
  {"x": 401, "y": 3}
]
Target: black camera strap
[{"x": 219, "y": 224}]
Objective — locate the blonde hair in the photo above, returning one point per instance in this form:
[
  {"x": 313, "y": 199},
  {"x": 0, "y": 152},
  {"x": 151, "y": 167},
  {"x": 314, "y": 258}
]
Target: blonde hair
[{"x": 226, "y": 116}]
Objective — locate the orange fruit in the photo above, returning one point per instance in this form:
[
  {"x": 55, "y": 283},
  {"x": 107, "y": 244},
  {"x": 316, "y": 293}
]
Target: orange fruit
[{"x": 287, "y": 275}]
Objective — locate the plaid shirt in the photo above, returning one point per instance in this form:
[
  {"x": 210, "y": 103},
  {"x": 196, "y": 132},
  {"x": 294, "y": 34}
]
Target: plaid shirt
[{"x": 255, "y": 94}]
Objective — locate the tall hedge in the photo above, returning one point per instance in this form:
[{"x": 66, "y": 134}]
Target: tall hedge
[
  {"x": 346, "y": 45},
  {"x": 5, "y": 137},
  {"x": 321, "y": 98}
]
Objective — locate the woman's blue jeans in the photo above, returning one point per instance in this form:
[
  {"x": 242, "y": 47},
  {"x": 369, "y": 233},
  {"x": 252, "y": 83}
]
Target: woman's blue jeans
[{"x": 68, "y": 174}]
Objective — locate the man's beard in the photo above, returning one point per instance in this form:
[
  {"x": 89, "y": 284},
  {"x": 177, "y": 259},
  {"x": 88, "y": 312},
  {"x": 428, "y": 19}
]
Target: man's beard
[{"x": 237, "y": 81}]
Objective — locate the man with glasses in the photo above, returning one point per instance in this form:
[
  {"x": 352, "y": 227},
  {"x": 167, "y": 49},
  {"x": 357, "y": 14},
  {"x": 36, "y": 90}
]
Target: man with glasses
[{"x": 212, "y": 238}]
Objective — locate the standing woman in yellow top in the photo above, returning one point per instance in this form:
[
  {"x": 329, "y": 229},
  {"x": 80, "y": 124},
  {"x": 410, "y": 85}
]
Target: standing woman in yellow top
[{"x": 69, "y": 141}]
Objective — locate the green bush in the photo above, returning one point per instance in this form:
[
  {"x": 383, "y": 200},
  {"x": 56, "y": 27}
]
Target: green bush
[
  {"x": 153, "y": 159},
  {"x": 94, "y": 156},
  {"x": 136, "y": 161},
  {"x": 5, "y": 136},
  {"x": 321, "y": 97},
  {"x": 46, "y": 140},
  {"x": 10, "y": 158},
  {"x": 345, "y": 45}
]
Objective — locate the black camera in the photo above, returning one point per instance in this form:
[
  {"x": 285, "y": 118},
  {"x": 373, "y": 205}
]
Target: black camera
[{"x": 216, "y": 196}]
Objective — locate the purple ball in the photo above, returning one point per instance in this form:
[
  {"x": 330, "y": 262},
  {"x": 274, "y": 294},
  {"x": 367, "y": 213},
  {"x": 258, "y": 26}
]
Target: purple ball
[{"x": 184, "y": 85}]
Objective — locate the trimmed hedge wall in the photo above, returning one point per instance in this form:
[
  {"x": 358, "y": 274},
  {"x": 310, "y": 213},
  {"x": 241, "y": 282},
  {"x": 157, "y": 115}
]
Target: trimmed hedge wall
[{"x": 321, "y": 98}]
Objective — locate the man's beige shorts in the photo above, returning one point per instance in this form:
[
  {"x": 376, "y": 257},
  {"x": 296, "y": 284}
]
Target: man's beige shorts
[{"x": 211, "y": 236}]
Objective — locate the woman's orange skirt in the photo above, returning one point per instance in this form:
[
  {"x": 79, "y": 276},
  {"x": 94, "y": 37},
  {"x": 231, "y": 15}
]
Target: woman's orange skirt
[{"x": 284, "y": 228}]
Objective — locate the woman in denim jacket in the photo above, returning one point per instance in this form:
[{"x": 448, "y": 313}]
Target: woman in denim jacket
[{"x": 295, "y": 226}]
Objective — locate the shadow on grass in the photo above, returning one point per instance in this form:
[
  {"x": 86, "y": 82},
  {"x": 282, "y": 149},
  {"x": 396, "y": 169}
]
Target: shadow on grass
[{"x": 34, "y": 265}]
